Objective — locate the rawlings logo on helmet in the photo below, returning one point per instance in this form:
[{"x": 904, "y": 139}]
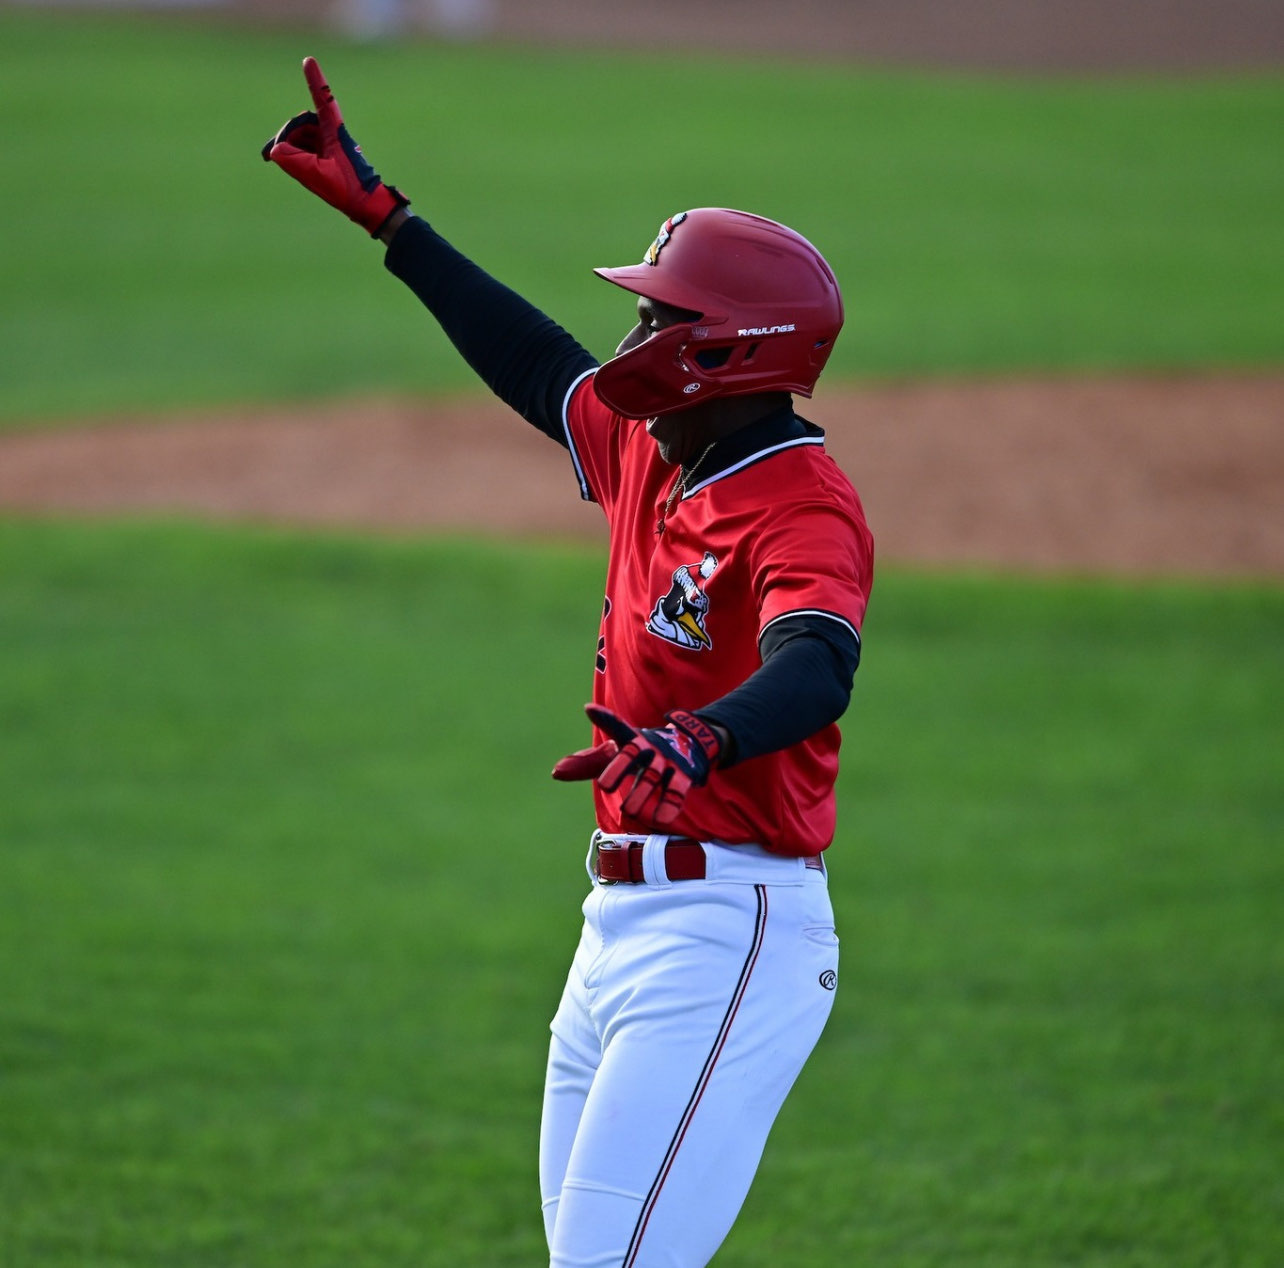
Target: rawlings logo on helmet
[{"x": 652, "y": 255}]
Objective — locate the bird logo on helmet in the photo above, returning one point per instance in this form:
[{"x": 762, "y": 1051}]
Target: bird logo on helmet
[
  {"x": 652, "y": 255},
  {"x": 769, "y": 309}
]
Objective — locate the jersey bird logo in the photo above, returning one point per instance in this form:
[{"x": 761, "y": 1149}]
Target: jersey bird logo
[{"x": 679, "y": 615}]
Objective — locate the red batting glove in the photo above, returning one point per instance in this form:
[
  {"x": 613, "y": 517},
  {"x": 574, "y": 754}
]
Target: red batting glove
[
  {"x": 315, "y": 148},
  {"x": 663, "y": 763},
  {"x": 586, "y": 763}
]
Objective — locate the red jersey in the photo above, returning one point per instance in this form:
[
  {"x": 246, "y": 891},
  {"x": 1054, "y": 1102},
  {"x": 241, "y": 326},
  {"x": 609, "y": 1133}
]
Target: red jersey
[{"x": 778, "y": 532}]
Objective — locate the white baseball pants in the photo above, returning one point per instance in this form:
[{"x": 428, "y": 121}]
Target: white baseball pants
[{"x": 689, "y": 1010}]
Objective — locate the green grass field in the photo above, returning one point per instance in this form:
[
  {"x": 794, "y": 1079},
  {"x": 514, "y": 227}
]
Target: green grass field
[
  {"x": 268, "y": 1000},
  {"x": 265, "y": 997},
  {"x": 978, "y": 225}
]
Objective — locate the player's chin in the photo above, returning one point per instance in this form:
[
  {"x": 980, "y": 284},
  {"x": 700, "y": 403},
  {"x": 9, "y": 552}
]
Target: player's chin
[{"x": 668, "y": 439}]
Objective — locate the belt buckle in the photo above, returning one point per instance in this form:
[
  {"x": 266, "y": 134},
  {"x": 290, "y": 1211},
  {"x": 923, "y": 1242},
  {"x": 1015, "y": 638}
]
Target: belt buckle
[{"x": 595, "y": 851}]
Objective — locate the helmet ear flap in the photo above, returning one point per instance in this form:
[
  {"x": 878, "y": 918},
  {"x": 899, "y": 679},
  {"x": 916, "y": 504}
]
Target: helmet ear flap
[{"x": 654, "y": 378}]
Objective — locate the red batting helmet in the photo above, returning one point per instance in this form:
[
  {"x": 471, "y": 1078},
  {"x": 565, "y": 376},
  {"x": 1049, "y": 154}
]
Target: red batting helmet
[{"x": 769, "y": 312}]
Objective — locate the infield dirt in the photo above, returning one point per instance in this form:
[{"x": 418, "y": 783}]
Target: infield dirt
[{"x": 1175, "y": 475}]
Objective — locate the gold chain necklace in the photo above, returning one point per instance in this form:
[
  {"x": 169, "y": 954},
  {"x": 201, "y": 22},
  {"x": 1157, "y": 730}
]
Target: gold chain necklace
[{"x": 680, "y": 487}]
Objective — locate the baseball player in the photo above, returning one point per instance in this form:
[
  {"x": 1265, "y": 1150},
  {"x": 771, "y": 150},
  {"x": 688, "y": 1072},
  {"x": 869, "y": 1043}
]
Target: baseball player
[{"x": 739, "y": 569}]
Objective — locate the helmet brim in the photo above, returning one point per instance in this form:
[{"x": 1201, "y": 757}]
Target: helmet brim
[{"x": 650, "y": 282}]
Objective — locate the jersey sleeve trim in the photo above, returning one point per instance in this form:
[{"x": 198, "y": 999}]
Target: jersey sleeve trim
[
  {"x": 586, "y": 494},
  {"x": 831, "y": 616}
]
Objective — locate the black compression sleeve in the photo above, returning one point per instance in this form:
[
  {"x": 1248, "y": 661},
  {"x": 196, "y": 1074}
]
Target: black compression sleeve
[
  {"x": 805, "y": 683},
  {"x": 524, "y": 357}
]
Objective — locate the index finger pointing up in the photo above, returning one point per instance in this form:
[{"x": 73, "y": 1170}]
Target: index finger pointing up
[{"x": 322, "y": 97}]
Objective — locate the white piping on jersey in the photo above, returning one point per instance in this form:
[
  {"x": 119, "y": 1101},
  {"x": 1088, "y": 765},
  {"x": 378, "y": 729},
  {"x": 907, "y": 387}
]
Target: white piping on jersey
[
  {"x": 752, "y": 458},
  {"x": 831, "y": 616},
  {"x": 585, "y": 493}
]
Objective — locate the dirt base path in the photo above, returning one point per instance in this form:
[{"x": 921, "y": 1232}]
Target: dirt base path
[
  {"x": 998, "y": 35},
  {"x": 1177, "y": 476}
]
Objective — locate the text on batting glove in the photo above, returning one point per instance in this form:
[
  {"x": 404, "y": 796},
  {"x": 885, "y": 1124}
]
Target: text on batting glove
[
  {"x": 315, "y": 148},
  {"x": 656, "y": 766}
]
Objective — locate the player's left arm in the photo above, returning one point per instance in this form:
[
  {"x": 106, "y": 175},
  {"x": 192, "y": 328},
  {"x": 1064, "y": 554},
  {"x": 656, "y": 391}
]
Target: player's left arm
[
  {"x": 804, "y": 684},
  {"x": 812, "y": 576},
  {"x": 809, "y": 664},
  {"x": 811, "y": 568}
]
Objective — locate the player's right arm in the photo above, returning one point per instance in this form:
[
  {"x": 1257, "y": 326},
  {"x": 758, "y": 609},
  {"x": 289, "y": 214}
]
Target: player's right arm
[{"x": 523, "y": 356}]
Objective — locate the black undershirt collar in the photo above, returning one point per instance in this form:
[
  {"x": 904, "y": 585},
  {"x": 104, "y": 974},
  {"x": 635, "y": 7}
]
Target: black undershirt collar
[{"x": 759, "y": 437}]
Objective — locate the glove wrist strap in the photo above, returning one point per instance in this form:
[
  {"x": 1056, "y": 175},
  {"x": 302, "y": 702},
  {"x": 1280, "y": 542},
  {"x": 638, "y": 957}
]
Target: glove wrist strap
[
  {"x": 379, "y": 207},
  {"x": 700, "y": 731}
]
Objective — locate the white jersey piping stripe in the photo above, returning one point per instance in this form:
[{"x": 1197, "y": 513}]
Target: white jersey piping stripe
[
  {"x": 750, "y": 460},
  {"x": 585, "y": 492},
  {"x": 832, "y": 616}
]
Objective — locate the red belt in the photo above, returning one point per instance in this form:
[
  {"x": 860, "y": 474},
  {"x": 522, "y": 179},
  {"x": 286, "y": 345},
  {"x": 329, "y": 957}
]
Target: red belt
[{"x": 620, "y": 862}]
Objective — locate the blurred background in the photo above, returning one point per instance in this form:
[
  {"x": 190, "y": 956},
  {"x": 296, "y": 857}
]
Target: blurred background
[
  {"x": 994, "y": 34},
  {"x": 294, "y": 620}
]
